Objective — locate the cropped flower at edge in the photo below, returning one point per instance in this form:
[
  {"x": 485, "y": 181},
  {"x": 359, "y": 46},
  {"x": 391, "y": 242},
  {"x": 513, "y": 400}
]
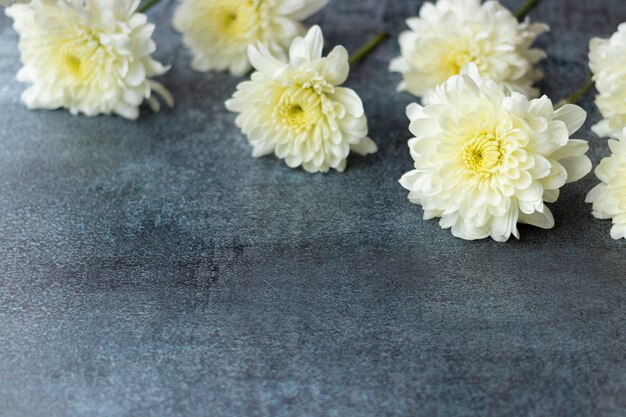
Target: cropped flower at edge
[
  {"x": 485, "y": 160},
  {"x": 298, "y": 110},
  {"x": 609, "y": 197},
  {"x": 88, "y": 56},
  {"x": 218, "y": 32},
  {"x": 607, "y": 60},
  {"x": 452, "y": 33}
]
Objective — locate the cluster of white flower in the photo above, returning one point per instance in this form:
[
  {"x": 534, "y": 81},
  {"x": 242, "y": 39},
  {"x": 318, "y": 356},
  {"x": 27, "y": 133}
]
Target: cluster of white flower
[
  {"x": 607, "y": 60},
  {"x": 488, "y": 154},
  {"x": 487, "y": 157},
  {"x": 94, "y": 57}
]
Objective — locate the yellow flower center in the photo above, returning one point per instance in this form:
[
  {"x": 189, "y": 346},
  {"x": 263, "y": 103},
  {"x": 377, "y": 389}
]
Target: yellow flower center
[
  {"x": 77, "y": 57},
  {"x": 233, "y": 18},
  {"x": 72, "y": 63},
  {"x": 299, "y": 109},
  {"x": 456, "y": 59},
  {"x": 481, "y": 154}
]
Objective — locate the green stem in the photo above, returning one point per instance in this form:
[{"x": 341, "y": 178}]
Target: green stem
[
  {"x": 147, "y": 6},
  {"x": 575, "y": 98},
  {"x": 369, "y": 47},
  {"x": 526, "y": 8}
]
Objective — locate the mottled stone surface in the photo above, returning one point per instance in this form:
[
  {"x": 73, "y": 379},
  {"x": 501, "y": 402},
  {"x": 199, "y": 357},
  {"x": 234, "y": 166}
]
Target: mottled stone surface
[{"x": 155, "y": 269}]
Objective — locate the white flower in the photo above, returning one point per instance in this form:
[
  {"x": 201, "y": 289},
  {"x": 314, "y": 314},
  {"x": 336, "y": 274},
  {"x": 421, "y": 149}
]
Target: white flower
[
  {"x": 608, "y": 63},
  {"x": 298, "y": 111},
  {"x": 89, "y": 56},
  {"x": 218, "y": 32},
  {"x": 485, "y": 160},
  {"x": 609, "y": 197},
  {"x": 452, "y": 33}
]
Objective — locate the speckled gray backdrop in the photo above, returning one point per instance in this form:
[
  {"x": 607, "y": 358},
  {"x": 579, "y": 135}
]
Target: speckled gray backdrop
[{"x": 155, "y": 269}]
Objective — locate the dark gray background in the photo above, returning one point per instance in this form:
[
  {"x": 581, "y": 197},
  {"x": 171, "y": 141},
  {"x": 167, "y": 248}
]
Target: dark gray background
[{"x": 153, "y": 268}]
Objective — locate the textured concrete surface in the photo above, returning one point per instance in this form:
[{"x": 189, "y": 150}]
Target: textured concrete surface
[{"x": 156, "y": 269}]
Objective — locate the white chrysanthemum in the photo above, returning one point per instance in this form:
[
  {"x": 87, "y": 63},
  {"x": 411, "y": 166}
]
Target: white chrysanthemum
[
  {"x": 218, "y": 32},
  {"x": 607, "y": 60},
  {"x": 298, "y": 111},
  {"x": 452, "y": 33},
  {"x": 485, "y": 160},
  {"x": 89, "y": 56},
  {"x": 609, "y": 197}
]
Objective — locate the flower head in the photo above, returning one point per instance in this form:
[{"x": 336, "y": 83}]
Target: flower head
[
  {"x": 298, "y": 110},
  {"x": 218, "y": 32},
  {"x": 607, "y": 60},
  {"x": 452, "y": 33},
  {"x": 89, "y": 56},
  {"x": 485, "y": 160},
  {"x": 609, "y": 197}
]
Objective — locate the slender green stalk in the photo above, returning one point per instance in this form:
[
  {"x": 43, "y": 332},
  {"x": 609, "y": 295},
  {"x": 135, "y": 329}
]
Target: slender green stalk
[
  {"x": 369, "y": 47},
  {"x": 577, "y": 96},
  {"x": 147, "y": 6},
  {"x": 526, "y": 8}
]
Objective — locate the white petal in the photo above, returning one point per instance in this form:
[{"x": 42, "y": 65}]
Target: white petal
[
  {"x": 365, "y": 147},
  {"x": 544, "y": 219},
  {"x": 573, "y": 116}
]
